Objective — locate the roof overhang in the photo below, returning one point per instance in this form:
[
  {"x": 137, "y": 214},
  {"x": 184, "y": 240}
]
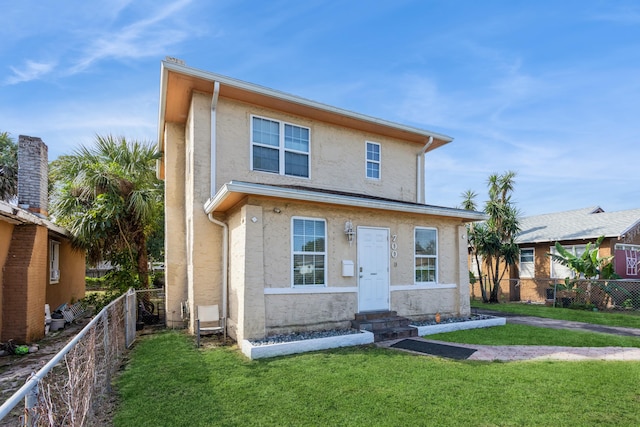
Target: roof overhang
[
  {"x": 18, "y": 216},
  {"x": 178, "y": 82},
  {"x": 232, "y": 193}
]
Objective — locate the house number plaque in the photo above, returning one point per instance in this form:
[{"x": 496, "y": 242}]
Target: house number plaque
[{"x": 394, "y": 246}]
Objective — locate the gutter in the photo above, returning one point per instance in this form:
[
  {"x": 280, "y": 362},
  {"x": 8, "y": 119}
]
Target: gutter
[
  {"x": 420, "y": 176},
  {"x": 239, "y": 187}
]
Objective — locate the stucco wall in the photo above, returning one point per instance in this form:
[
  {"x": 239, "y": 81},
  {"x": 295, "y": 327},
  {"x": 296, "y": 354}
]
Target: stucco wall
[
  {"x": 337, "y": 155},
  {"x": 6, "y": 230},
  {"x": 71, "y": 286},
  {"x": 175, "y": 224},
  {"x": 204, "y": 239},
  {"x": 263, "y": 302}
]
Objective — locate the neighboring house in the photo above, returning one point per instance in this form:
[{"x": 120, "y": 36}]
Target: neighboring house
[
  {"x": 536, "y": 271},
  {"x": 38, "y": 264},
  {"x": 294, "y": 215}
]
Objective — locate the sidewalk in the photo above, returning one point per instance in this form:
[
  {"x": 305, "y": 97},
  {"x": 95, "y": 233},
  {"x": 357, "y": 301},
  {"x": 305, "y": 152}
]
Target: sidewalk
[{"x": 508, "y": 353}]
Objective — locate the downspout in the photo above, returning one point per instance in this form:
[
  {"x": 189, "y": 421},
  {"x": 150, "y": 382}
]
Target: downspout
[
  {"x": 214, "y": 104},
  {"x": 225, "y": 268},
  {"x": 420, "y": 171},
  {"x": 225, "y": 228}
]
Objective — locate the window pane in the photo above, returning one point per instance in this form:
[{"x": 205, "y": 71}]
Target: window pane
[
  {"x": 266, "y": 132},
  {"x": 425, "y": 242},
  {"x": 296, "y": 138},
  {"x": 308, "y": 247},
  {"x": 265, "y": 159},
  {"x": 373, "y": 152},
  {"x": 373, "y": 170},
  {"x": 526, "y": 255},
  {"x": 425, "y": 270},
  {"x": 296, "y": 164}
]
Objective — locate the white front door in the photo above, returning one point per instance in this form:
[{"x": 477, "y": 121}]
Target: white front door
[{"x": 373, "y": 269}]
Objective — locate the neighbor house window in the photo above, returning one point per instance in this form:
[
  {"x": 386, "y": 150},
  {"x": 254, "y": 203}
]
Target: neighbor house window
[
  {"x": 309, "y": 238},
  {"x": 559, "y": 271},
  {"x": 54, "y": 261},
  {"x": 373, "y": 160},
  {"x": 527, "y": 263},
  {"x": 426, "y": 255},
  {"x": 279, "y": 147}
]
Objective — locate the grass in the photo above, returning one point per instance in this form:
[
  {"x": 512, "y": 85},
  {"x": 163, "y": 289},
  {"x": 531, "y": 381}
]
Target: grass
[
  {"x": 170, "y": 383},
  {"x": 629, "y": 320},
  {"x": 511, "y": 334}
]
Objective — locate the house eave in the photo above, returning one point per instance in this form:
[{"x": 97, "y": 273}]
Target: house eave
[
  {"x": 18, "y": 216},
  {"x": 177, "y": 83},
  {"x": 232, "y": 192}
]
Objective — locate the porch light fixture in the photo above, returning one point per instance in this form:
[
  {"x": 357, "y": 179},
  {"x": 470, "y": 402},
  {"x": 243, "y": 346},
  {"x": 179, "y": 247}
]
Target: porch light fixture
[{"x": 348, "y": 231}]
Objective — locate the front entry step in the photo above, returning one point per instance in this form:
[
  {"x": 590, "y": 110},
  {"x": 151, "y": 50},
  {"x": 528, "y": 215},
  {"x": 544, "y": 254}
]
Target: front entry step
[{"x": 385, "y": 325}]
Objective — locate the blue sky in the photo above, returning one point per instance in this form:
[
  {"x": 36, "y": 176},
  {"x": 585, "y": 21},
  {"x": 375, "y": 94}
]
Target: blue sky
[{"x": 548, "y": 89}]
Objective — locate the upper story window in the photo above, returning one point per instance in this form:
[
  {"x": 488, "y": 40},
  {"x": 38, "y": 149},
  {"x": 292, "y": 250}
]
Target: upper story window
[
  {"x": 279, "y": 147},
  {"x": 309, "y": 236},
  {"x": 426, "y": 255},
  {"x": 54, "y": 261},
  {"x": 527, "y": 263},
  {"x": 373, "y": 160}
]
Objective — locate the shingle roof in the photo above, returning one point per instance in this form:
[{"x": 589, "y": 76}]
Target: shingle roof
[{"x": 587, "y": 223}]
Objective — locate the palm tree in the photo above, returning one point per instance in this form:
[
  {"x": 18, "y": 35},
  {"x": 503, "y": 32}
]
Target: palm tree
[
  {"x": 8, "y": 167},
  {"x": 494, "y": 239},
  {"x": 108, "y": 196},
  {"x": 499, "y": 247}
]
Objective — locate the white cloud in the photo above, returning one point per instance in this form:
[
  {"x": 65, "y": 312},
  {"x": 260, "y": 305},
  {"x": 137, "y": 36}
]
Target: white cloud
[{"x": 31, "y": 71}]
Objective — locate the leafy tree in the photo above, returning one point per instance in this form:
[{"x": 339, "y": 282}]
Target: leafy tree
[
  {"x": 108, "y": 196},
  {"x": 8, "y": 167},
  {"x": 589, "y": 265},
  {"x": 494, "y": 239}
]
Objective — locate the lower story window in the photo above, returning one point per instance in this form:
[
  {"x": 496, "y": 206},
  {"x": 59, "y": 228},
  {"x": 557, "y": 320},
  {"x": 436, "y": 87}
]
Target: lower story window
[
  {"x": 54, "y": 261},
  {"x": 426, "y": 255},
  {"x": 309, "y": 251}
]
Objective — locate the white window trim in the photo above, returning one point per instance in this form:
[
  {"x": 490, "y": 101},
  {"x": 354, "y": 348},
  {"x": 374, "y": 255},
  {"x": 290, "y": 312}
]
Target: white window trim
[
  {"x": 54, "y": 262},
  {"x": 293, "y": 253},
  {"x": 415, "y": 256},
  {"x": 367, "y": 160},
  {"x": 281, "y": 147},
  {"x": 571, "y": 248},
  {"x": 527, "y": 268}
]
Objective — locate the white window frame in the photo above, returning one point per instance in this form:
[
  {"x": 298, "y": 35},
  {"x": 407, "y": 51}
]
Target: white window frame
[
  {"x": 527, "y": 268},
  {"x": 282, "y": 150},
  {"x": 416, "y": 256},
  {"x": 372, "y": 161},
  {"x": 315, "y": 253},
  {"x": 54, "y": 262},
  {"x": 559, "y": 271}
]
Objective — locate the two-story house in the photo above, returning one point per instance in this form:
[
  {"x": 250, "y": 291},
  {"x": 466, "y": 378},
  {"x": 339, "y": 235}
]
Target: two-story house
[{"x": 295, "y": 215}]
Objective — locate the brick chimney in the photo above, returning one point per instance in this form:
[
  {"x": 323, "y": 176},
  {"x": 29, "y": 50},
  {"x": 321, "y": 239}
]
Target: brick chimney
[{"x": 33, "y": 175}]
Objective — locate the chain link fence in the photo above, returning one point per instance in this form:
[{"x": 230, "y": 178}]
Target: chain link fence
[
  {"x": 69, "y": 389},
  {"x": 612, "y": 295}
]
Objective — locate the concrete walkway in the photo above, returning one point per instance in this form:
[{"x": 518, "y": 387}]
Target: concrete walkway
[{"x": 533, "y": 352}]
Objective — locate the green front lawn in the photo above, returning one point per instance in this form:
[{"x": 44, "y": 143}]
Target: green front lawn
[
  {"x": 511, "y": 334},
  {"x": 630, "y": 320},
  {"x": 169, "y": 383}
]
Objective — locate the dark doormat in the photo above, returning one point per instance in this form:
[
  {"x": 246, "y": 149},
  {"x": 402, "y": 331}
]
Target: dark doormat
[{"x": 434, "y": 349}]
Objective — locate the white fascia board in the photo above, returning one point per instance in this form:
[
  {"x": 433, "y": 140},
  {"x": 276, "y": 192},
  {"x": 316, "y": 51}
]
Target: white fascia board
[
  {"x": 335, "y": 199},
  {"x": 17, "y": 215},
  {"x": 205, "y": 75}
]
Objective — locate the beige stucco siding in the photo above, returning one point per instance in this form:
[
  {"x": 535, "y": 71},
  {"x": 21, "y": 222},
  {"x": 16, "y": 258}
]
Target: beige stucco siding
[
  {"x": 337, "y": 156},
  {"x": 263, "y": 301},
  {"x": 175, "y": 224}
]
